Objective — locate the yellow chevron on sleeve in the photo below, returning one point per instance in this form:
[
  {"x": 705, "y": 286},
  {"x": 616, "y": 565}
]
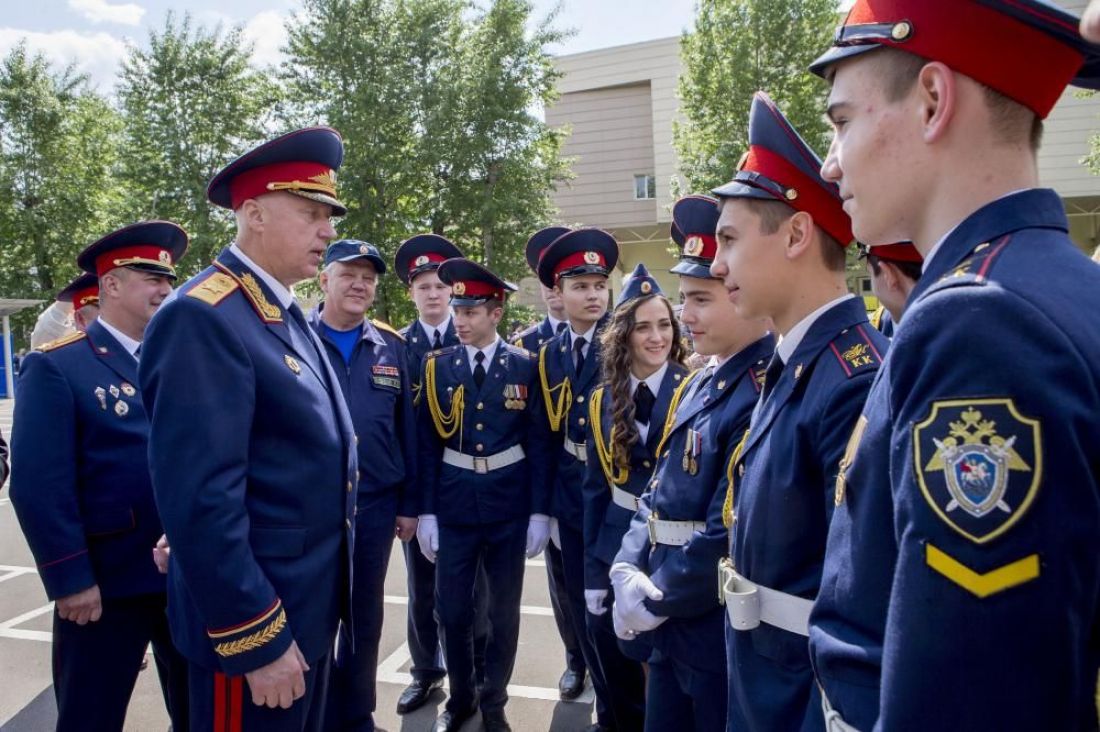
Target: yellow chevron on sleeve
[{"x": 982, "y": 585}]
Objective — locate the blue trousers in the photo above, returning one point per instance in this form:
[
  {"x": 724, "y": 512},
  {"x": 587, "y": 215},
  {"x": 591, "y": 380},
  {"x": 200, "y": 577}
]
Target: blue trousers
[
  {"x": 682, "y": 698},
  {"x": 572, "y": 555},
  {"x": 623, "y": 675}
]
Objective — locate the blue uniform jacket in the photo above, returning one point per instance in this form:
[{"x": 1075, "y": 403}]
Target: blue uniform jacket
[
  {"x": 532, "y": 338},
  {"x": 379, "y": 395},
  {"x": 80, "y": 468},
  {"x": 502, "y": 413},
  {"x": 605, "y": 522},
  {"x": 254, "y": 469},
  {"x": 718, "y": 413},
  {"x": 556, "y": 370},
  {"x": 963, "y": 564},
  {"x": 417, "y": 345},
  {"x": 783, "y": 499}
]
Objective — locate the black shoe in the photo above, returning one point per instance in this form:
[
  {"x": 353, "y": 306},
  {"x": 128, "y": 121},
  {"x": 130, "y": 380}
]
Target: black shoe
[
  {"x": 571, "y": 684},
  {"x": 452, "y": 721},
  {"x": 495, "y": 721},
  {"x": 416, "y": 694}
]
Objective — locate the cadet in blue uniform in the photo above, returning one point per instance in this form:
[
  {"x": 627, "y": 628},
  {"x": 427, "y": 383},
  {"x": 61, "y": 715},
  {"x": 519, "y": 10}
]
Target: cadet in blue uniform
[
  {"x": 416, "y": 262},
  {"x": 894, "y": 271},
  {"x": 571, "y": 683},
  {"x": 80, "y": 488},
  {"x": 642, "y": 358},
  {"x": 665, "y": 575},
  {"x": 576, "y": 265},
  {"x": 965, "y": 546},
  {"x": 252, "y": 451},
  {"x": 484, "y": 448},
  {"x": 370, "y": 362},
  {"x": 782, "y": 236},
  {"x": 83, "y": 294}
]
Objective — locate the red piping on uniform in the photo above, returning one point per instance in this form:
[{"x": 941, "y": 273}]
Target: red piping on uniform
[{"x": 841, "y": 359}]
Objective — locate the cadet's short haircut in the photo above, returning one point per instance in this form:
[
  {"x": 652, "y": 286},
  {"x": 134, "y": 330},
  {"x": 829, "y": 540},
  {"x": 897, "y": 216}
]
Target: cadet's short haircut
[
  {"x": 1011, "y": 120},
  {"x": 772, "y": 214},
  {"x": 911, "y": 270}
]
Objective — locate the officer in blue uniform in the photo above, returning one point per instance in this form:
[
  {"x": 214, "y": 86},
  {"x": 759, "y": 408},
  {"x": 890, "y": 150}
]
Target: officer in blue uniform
[
  {"x": 782, "y": 238},
  {"x": 616, "y": 473},
  {"x": 571, "y": 683},
  {"x": 81, "y": 490},
  {"x": 416, "y": 263},
  {"x": 369, "y": 359},
  {"x": 252, "y": 451},
  {"x": 666, "y": 572},
  {"x": 576, "y": 265},
  {"x": 484, "y": 449},
  {"x": 83, "y": 294},
  {"x": 894, "y": 270},
  {"x": 965, "y": 544}
]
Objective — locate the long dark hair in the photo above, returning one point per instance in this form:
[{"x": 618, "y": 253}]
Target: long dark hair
[{"x": 615, "y": 358}]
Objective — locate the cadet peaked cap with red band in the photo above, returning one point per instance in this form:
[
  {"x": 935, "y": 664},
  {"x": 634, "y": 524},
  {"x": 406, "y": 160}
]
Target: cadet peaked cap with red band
[
  {"x": 84, "y": 290},
  {"x": 695, "y": 218},
  {"x": 1028, "y": 50},
  {"x": 303, "y": 163},
  {"x": 576, "y": 253},
  {"x": 472, "y": 284},
  {"x": 422, "y": 253},
  {"x": 901, "y": 252},
  {"x": 538, "y": 242},
  {"x": 780, "y": 166},
  {"x": 151, "y": 246}
]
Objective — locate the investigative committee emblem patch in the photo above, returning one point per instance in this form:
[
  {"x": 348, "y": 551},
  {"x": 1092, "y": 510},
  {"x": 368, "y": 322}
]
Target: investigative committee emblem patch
[{"x": 979, "y": 463}]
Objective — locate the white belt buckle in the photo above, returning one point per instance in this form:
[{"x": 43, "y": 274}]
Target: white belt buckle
[
  {"x": 481, "y": 465},
  {"x": 742, "y": 599}
]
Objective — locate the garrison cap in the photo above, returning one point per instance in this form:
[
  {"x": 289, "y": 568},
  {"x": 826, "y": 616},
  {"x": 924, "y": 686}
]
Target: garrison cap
[
  {"x": 84, "y": 290},
  {"x": 149, "y": 246},
  {"x": 695, "y": 218},
  {"x": 422, "y": 253},
  {"x": 349, "y": 250},
  {"x": 578, "y": 252},
  {"x": 473, "y": 284},
  {"x": 639, "y": 283},
  {"x": 303, "y": 162},
  {"x": 538, "y": 242},
  {"x": 780, "y": 166}
]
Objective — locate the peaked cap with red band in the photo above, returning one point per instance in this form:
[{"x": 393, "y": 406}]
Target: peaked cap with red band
[
  {"x": 901, "y": 252},
  {"x": 84, "y": 290},
  {"x": 150, "y": 246},
  {"x": 472, "y": 284},
  {"x": 694, "y": 219},
  {"x": 303, "y": 163},
  {"x": 422, "y": 253},
  {"x": 1029, "y": 50},
  {"x": 780, "y": 166},
  {"x": 576, "y": 253},
  {"x": 538, "y": 242}
]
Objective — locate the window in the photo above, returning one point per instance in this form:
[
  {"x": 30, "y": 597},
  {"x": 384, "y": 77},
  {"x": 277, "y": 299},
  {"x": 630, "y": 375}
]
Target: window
[{"x": 645, "y": 187}]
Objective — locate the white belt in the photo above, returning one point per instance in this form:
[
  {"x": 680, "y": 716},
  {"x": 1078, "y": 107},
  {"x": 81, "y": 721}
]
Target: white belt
[
  {"x": 576, "y": 449},
  {"x": 672, "y": 533},
  {"x": 483, "y": 465},
  {"x": 624, "y": 499},
  {"x": 749, "y": 604},
  {"x": 833, "y": 721}
]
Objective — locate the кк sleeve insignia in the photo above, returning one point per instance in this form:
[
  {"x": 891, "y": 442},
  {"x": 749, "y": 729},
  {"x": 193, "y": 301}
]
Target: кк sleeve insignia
[{"x": 856, "y": 352}]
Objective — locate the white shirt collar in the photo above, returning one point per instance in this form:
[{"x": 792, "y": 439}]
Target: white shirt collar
[
  {"x": 653, "y": 381},
  {"x": 431, "y": 329},
  {"x": 789, "y": 343},
  {"x": 554, "y": 322},
  {"x": 282, "y": 292},
  {"x": 489, "y": 351},
  {"x": 124, "y": 340},
  {"x": 932, "y": 252},
  {"x": 588, "y": 335}
]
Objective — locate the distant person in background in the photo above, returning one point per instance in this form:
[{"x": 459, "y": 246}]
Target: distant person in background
[
  {"x": 894, "y": 270},
  {"x": 83, "y": 294}
]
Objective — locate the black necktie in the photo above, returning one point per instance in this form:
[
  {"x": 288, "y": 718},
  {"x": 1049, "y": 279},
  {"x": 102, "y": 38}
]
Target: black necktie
[
  {"x": 437, "y": 343},
  {"x": 560, "y": 328},
  {"x": 771, "y": 376},
  {"x": 643, "y": 403},
  {"x": 479, "y": 369},
  {"x": 578, "y": 353}
]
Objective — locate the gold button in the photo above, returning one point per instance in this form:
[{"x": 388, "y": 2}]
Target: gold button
[
  {"x": 480, "y": 447},
  {"x": 357, "y": 439},
  {"x": 645, "y": 464},
  {"x": 580, "y": 399},
  {"x": 350, "y": 486},
  {"x": 582, "y": 421},
  {"x": 480, "y": 406},
  {"x": 347, "y": 523},
  {"x": 741, "y": 470},
  {"x": 666, "y": 453},
  {"x": 480, "y": 426}
]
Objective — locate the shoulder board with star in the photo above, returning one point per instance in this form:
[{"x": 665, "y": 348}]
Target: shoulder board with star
[
  {"x": 519, "y": 351},
  {"x": 975, "y": 269},
  {"x": 62, "y": 341},
  {"x": 381, "y": 325},
  {"x": 445, "y": 351},
  {"x": 213, "y": 288},
  {"x": 857, "y": 350},
  {"x": 757, "y": 372}
]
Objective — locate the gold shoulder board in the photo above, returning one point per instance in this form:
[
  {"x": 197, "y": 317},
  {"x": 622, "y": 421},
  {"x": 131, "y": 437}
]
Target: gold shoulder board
[
  {"x": 62, "y": 341},
  {"x": 213, "y": 289},
  {"x": 380, "y": 325}
]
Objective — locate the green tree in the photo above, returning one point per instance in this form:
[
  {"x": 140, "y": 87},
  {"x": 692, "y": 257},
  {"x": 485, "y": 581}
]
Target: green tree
[
  {"x": 191, "y": 102},
  {"x": 737, "y": 48}
]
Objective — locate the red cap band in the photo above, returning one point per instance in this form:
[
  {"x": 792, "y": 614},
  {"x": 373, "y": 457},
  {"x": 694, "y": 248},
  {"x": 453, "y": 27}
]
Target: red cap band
[
  {"x": 803, "y": 192},
  {"x": 295, "y": 176},
  {"x": 700, "y": 246},
  {"x": 88, "y": 296},
  {"x": 900, "y": 252},
  {"x": 580, "y": 259},
  {"x": 137, "y": 254},
  {"x": 1022, "y": 62},
  {"x": 476, "y": 289},
  {"x": 427, "y": 258}
]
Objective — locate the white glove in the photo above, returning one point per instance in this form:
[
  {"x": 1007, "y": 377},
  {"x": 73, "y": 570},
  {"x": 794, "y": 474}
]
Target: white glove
[
  {"x": 555, "y": 534},
  {"x": 538, "y": 533},
  {"x": 427, "y": 535},
  {"x": 594, "y": 600},
  {"x": 632, "y": 588}
]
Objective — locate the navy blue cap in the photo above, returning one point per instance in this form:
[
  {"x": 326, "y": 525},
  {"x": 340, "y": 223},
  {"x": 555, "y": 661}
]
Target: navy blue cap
[
  {"x": 538, "y": 242},
  {"x": 676, "y": 235},
  {"x": 84, "y": 290},
  {"x": 1029, "y": 50},
  {"x": 150, "y": 246},
  {"x": 695, "y": 218},
  {"x": 349, "y": 250},
  {"x": 780, "y": 166},
  {"x": 422, "y": 253},
  {"x": 638, "y": 283},
  {"x": 473, "y": 284},
  {"x": 303, "y": 162},
  {"x": 578, "y": 252}
]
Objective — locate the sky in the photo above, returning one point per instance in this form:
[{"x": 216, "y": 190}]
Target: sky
[{"x": 94, "y": 34}]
